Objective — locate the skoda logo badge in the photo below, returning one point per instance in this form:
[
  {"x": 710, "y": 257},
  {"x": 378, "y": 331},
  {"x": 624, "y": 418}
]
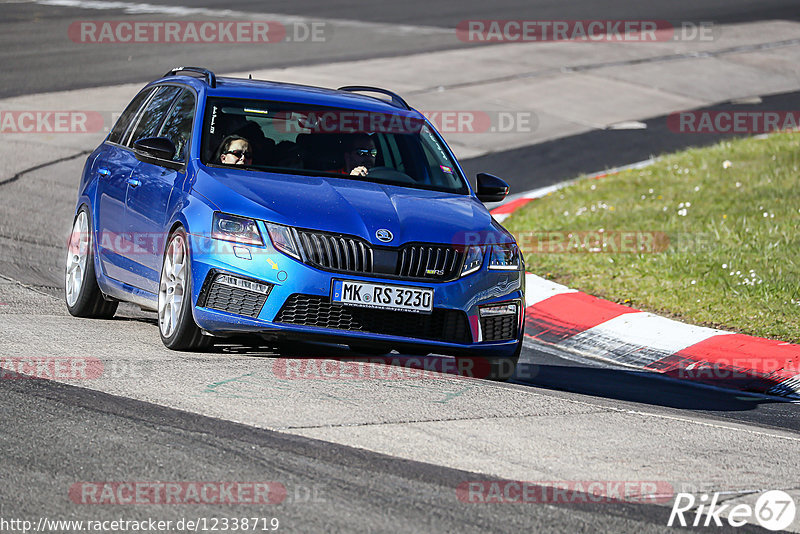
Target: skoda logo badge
[{"x": 384, "y": 235}]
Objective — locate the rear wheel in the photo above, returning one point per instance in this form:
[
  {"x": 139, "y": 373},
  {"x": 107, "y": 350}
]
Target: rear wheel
[
  {"x": 81, "y": 292},
  {"x": 175, "y": 321}
]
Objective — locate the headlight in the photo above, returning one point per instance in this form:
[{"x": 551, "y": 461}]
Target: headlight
[
  {"x": 234, "y": 228},
  {"x": 282, "y": 239},
  {"x": 504, "y": 257},
  {"x": 473, "y": 261}
]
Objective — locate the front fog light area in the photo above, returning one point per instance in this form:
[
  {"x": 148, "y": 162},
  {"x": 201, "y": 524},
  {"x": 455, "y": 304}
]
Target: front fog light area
[
  {"x": 502, "y": 309},
  {"x": 243, "y": 283},
  {"x": 234, "y": 294},
  {"x": 499, "y": 321}
]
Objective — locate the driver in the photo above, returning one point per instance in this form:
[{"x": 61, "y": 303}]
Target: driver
[
  {"x": 234, "y": 150},
  {"x": 360, "y": 155}
]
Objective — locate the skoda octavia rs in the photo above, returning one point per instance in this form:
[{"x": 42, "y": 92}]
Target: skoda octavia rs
[{"x": 235, "y": 206}]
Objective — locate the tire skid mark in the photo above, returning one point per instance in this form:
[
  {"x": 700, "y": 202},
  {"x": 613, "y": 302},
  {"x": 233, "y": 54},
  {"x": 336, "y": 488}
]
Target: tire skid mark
[{"x": 23, "y": 172}]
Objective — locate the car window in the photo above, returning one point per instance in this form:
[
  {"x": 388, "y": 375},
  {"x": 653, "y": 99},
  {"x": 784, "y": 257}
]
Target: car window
[
  {"x": 153, "y": 115},
  {"x": 178, "y": 125},
  {"x": 396, "y": 148},
  {"x": 124, "y": 121}
]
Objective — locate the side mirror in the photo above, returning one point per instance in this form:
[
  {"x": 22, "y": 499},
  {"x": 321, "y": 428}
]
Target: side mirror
[
  {"x": 154, "y": 148},
  {"x": 491, "y": 188}
]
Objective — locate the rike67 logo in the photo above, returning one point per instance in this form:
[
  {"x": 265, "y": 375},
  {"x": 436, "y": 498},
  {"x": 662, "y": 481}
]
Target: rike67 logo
[{"x": 773, "y": 510}]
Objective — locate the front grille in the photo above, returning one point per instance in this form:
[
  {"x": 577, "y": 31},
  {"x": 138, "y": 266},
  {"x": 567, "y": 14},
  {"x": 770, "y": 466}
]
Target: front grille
[
  {"x": 349, "y": 254},
  {"x": 311, "y": 310},
  {"x": 223, "y": 297},
  {"x": 336, "y": 252},
  {"x": 499, "y": 328},
  {"x": 429, "y": 261}
]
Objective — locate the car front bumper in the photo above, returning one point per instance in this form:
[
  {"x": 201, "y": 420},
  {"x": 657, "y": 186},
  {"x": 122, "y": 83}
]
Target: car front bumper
[{"x": 298, "y": 304}]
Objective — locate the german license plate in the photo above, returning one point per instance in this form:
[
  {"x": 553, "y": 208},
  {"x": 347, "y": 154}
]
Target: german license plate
[{"x": 382, "y": 296}]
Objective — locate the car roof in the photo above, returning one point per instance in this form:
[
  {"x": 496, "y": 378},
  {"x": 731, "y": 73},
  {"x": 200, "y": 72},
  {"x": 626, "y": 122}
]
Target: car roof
[{"x": 288, "y": 92}]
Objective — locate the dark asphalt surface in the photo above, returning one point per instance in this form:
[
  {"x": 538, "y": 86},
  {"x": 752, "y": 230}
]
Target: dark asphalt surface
[
  {"x": 54, "y": 435},
  {"x": 641, "y": 390},
  {"x": 447, "y": 14},
  {"x": 554, "y": 161},
  {"x": 38, "y": 55}
]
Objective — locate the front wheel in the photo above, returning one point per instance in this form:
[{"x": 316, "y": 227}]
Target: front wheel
[
  {"x": 81, "y": 292},
  {"x": 175, "y": 321}
]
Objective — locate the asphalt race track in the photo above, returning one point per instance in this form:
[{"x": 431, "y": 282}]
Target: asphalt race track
[
  {"x": 386, "y": 453},
  {"x": 36, "y": 58}
]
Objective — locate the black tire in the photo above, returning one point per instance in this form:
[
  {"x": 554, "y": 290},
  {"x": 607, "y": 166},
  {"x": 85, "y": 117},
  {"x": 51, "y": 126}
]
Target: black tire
[
  {"x": 185, "y": 335},
  {"x": 90, "y": 301}
]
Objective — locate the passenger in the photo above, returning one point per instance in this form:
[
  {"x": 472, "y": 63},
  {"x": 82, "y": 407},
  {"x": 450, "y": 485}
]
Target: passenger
[
  {"x": 360, "y": 155},
  {"x": 235, "y": 150},
  {"x": 263, "y": 147},
  {"x": 288, "y": 155}
]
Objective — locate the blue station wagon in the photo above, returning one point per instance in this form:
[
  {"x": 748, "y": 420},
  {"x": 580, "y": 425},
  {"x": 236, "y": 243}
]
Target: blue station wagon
[{"x": 239, "y": 206}]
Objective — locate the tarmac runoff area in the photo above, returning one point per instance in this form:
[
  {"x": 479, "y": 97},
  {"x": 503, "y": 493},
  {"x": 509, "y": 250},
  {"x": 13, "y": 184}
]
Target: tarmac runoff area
[
  {"x": 492, "y": 429},
  {"x": 545, "y": 90},
  {"x": 485, "y": 99},
  {"x": 495, "y": 430}
]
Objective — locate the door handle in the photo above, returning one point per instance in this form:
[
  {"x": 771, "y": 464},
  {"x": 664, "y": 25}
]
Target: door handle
[
  {"x": 103, "y": 172},
  {"x": 133, "y": 182}
]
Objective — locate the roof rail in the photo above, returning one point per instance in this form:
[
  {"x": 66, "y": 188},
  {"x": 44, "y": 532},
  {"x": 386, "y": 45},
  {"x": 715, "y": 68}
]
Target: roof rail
[
  {"x": 209, "y": 76},
  {"x": 396, "y": 99}
]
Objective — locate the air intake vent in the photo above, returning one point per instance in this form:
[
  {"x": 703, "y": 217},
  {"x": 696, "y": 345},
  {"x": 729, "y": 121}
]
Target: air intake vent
[
  {"x": 429, "y": 261},
  {"x": 499, "y": 327},
  {"x": 336, "y": 252},
  {"x": 350, "y": 254},
  {"x": 220, "y": 292},
  {"x": 311, "y": 310}
]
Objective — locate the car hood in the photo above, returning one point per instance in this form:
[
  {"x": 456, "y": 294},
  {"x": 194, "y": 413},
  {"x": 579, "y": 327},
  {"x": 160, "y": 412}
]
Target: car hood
[{"x": 352, "y": 207}]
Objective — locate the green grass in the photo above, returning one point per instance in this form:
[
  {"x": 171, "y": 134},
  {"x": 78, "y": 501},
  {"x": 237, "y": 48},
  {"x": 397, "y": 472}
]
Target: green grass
[{"x": 732, "y": 259}]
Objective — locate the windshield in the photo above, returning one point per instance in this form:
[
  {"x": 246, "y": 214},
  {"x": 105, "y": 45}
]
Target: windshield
[{"x": 396, "y": 149}]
